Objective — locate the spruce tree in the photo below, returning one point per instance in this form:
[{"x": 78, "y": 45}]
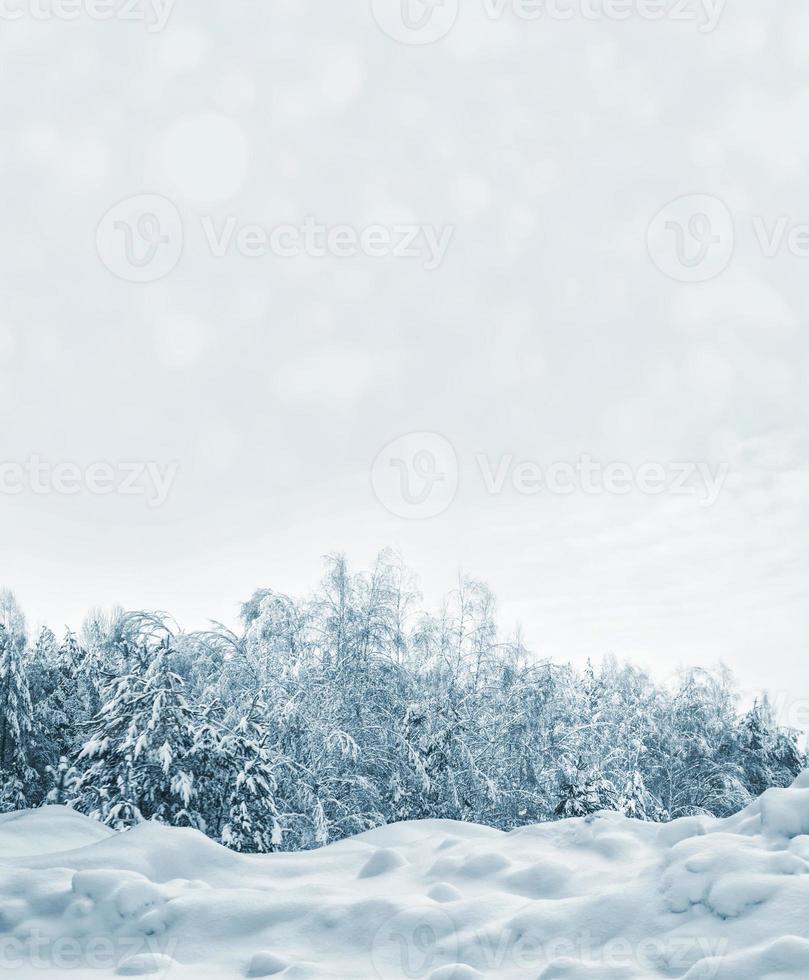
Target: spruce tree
[
  {"x": 138, "y": 762},
  {"x": 585, "y": 793},
  {"x": 246, "y": 766},
  {"x": 65, "y": 782},
  {"x": 15, "y": 722}
]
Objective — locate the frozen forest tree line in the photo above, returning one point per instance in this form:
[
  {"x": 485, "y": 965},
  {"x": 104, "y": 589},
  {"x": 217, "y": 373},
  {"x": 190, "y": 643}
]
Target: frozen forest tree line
[{"x": 353, "y": 708}]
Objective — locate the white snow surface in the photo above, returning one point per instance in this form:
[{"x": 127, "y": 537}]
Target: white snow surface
[{"x": 602, "y": 898}]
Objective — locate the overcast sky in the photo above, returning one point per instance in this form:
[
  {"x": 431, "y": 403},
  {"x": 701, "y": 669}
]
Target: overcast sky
[{"x": 506, "y": 277}]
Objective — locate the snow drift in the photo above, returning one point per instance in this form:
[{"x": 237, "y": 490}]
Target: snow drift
[{"x": 601, "y": 898}]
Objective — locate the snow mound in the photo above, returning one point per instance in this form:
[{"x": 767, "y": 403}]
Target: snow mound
[
  {"x": 785, "y": 812},
  {"x": 53, "y": 828},
  {"x": 603, "y": 898}
]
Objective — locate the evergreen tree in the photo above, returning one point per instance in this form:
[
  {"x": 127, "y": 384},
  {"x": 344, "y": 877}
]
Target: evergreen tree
[
  {"x": 65, "y": 783},
  {"x": 770, "y": 755},
  {"x": 15, "y": 722},
  {"x": 369, "y": 712},
  {"x": 60, "y": 699},
  {"x": 584, "y": 794},
  {"x": 635, "y": 801},
  {"x": 138, "y": 762},
  {"x": 247, "y": 773}
]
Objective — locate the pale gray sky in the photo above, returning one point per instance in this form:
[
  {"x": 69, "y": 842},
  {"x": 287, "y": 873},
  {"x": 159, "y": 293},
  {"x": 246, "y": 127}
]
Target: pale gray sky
[{"x": 575, "y": 312}]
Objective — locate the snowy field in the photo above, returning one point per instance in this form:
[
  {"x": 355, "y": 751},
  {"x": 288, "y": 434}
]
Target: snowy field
[{"x": 601, "y": 898}]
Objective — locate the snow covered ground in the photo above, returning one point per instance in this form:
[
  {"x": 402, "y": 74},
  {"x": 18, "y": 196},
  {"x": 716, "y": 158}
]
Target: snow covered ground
[{"x": 603, "y": 898}]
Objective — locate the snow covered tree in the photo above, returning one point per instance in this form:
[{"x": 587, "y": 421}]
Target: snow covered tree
[
  {"x": 65, "y": 783},
  {"x": 347, "y": 709},
  {"x": 61, "y": 705},
  {"x": 138, "y": 764},
  {"x": 15, "y": 721},
  {"x": 769, "y": 755},
  {"x": 636, "y": 801},
  {"x": 584, "y": 794},
  {"x": 246, "y": 772},
  {"x": 693, "y": 752}
]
